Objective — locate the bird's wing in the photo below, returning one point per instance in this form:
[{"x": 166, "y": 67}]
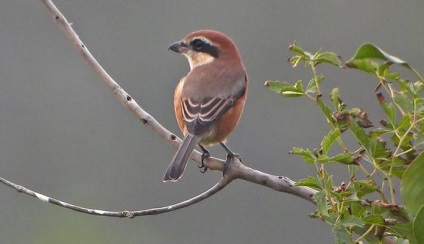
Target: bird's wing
[{"x": 199, "y": 115}]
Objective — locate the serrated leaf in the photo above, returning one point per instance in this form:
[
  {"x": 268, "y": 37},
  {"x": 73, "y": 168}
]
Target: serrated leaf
[
  {"x": 328, "y": 140},
  {"x": 419, "y": 140},
  {"x": 374, "y": 148},
  {"x": 379, "y": 132},
  {"x": 321, "y": 201},
  {"x": 334, "y": 95},
  {"x": 397, "y": 164},
  {"x": 323, "y": 159},
  {"x": 419, "y": 105},
  {"x": 342, "y": 236},
  {"x": 418, "y": 225},
  {"x": 296, "y": 48},
  {"x": 412, "y": 186},
  {"x": 404, "y": 102},
  {"x": 352, "y": 170},
  {"x": 377, "y": 149},
  {"x": 309, "y": 182},
  {"x": 327, "y": 57},
  {"x": 331, "y": 219},
  {"x": 388, "y": 108},
  {"x": 344, "y": 158},
  {"x": 285, "y": 89},
  {"x": 351, "y": 221},
  {"x": 403, "y": 230},
  {"x": 275, "y": 86},
  {"x": 305, "y": 153},
  {"x": 407, "y": 86},
  {"x": 328, "y": 183},
  {"x": 325, "y": 109},
  {"x": 364, "y": 187},
  {"x": 405, "y": 122},
  {"x": 418, "y": 87},
  {"x": 359, "y": 134},
  {"x": 375, "y": 219},
  {"x": 312, "y": 85}
]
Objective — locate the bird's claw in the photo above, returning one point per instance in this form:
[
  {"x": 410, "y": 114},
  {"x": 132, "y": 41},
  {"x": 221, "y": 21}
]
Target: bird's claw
[
  {"x": 205, "y": 154},
  {"x": 230, "y": 156},
  {"x": 234, "y": 155}
]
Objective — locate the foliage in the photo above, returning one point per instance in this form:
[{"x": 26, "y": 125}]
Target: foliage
[{"x": 365, "y": 207}]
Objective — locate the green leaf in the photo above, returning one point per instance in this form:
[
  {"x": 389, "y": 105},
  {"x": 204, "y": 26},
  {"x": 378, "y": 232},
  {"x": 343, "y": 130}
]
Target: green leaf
[
  {"x": 296, "y": 48},
  {"x": 351, "y": 221},
  {"x": 404, "y": 102},
  {"x": 403, "y": 230},
  {"x": 286, "y": 89},
  {"x": 323, "y": 159},
  {"x": 359, "y": 134},
  {"x": 375, "y": 219},
  {"x": 352, "y": 170},
  {"x": 325, "y": 109},
  {"x": 377, "y": 149},
  {"x": 328, "y": 140},
  {"x": 334, "y": 95},
  {"x": 374, "y": 148},
  {"x": 364, "y": 187},
  {"x": 404, "y": 123},
  {"x": 365, "y": 65},
  {"x": 418, "y": 87},
  {"x": 327, "y": 57},
  {"x": 418, "y": 225},
  {"x": 371, "y": 51},
  {"x": 344, "y": 158},
  {"x": 309, "y": 182},
  {"x": 361, "y": 60},
  {"x": 321, "y": 201},
  {"x": 419, "y": 140},
  {"x": 328, "y": 183},
  {"x": 419, "y": 105},
  {"x": 312, "y": 85},
  {"x": 305, "y": 153},
  {"x": 342, "y": 236},
  {"x": 412, "y": 185},
  {"x": 388, "y": 108}
]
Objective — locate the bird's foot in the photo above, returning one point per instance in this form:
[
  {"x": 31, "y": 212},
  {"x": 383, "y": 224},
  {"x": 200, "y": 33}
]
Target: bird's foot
[
  {"x": 205, "y": 154},
  {"x": 230, "y": 157},
  {"x": 230, "y": 154}
]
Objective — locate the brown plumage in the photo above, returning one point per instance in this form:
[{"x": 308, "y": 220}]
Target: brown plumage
[{"x": 209, "y": 100}]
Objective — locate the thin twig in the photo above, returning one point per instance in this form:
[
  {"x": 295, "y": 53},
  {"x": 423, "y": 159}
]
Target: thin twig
[{"x": 126, "y": 213}]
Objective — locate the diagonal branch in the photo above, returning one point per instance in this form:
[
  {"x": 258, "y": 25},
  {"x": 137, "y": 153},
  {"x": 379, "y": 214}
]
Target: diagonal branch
[{"x": 233, "y": 170}]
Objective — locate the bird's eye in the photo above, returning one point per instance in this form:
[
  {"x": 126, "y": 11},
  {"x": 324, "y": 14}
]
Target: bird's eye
[{"x": 198, "y": 44}]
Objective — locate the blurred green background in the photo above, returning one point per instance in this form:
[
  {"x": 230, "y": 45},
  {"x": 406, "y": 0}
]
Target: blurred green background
[{"x": 62, "y": 133}]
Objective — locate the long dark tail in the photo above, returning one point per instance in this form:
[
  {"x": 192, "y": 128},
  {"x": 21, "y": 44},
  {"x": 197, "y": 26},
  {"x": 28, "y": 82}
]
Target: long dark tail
[{"x": 179, "y": 162}]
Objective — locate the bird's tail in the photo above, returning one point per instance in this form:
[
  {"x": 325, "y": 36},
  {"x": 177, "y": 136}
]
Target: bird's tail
[{"x": 179, "y": 162}]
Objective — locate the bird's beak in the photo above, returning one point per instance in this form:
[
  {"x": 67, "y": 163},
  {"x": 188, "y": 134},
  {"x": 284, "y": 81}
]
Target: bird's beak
[{"x": 178, "y": 47}]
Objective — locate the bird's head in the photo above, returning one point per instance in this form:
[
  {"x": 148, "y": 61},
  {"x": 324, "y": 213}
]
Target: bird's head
[{"x": 206, "y": 46}]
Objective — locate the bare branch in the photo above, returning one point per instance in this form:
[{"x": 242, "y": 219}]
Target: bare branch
[
  {"x": 121, "y": 94},
  {"x": 126, "y": 213},
  {"x": 278, "y": 183},
  {"x": 234, "y": 170}
]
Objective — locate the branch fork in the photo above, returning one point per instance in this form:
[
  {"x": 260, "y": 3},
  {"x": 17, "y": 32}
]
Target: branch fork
[{"x": 234, "y": 169}]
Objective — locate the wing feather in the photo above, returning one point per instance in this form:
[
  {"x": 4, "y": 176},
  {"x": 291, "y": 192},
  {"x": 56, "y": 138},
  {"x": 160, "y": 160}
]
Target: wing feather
[{"x": 199, "y": 115}]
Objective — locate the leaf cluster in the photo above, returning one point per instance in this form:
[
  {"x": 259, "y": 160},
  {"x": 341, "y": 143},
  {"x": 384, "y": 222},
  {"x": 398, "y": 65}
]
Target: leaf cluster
[{"x": 365, "y": 207}]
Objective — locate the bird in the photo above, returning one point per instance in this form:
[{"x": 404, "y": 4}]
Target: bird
[{"x": 209, "y": 100}]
